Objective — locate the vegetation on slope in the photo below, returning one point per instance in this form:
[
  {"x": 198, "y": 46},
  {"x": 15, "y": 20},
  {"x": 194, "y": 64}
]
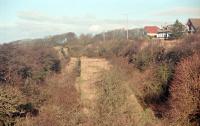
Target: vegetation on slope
[
  {"x": 23, "y": 70},
  {"x": 117, "y": 104},
  {"x": 185, "y": 95},
  {"x": 157, "y": 75},
  {"x": 154, "y": 67},
  {"x": 62, "y": 106},
  {"x": 21, "y": 64}
]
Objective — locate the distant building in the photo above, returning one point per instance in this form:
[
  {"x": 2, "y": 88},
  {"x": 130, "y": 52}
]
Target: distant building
[
  {"x": 165, "y": 33},
  {"x": 151, "y": 31},
  {"x": 193, "y": 25}
]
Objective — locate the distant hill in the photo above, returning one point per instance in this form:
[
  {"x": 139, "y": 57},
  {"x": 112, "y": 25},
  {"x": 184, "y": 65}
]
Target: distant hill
[
  {"x": 49, "y": 40},
  {"x": 120, "y": 34},
  {"x": 59, "y": 39}
]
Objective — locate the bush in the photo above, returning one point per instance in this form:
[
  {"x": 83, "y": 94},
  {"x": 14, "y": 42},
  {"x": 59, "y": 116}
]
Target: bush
[
  {"x": 24, "y": 67},
  {"x": 18, "y": 63},
  {"x": 178, "y": 29},
  {"x": 112, "y": 101},
  {"x": 117, "y": 104},
  {"x": 34, "y": 94},
  {"x": 10, "y": 99},
  {"x": 186, "y": 48},
  {"x": 185, "y": 92},
  {"x": 147, "y": 56},
  {"x": 154, "y": 84},
  {"x": 62, "y": 101},
  {"x": 108, "y": 49}
]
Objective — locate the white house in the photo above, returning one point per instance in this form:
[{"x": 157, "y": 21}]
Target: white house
[{"x": 164, "y": 34}]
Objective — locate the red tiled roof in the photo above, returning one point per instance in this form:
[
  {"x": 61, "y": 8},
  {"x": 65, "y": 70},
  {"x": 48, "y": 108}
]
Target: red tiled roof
[{"x": 151, "y": 29}]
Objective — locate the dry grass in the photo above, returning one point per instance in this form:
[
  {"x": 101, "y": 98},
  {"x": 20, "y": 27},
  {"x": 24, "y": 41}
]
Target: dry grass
[
  {"x": 117, "y": 104},
  {"x": 62, "y": 107},
  {"x": 90, "y": 74}
]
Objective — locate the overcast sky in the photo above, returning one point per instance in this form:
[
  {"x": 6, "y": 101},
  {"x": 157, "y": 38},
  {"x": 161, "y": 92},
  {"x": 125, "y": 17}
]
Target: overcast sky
[{"x": 21, "y": 19}]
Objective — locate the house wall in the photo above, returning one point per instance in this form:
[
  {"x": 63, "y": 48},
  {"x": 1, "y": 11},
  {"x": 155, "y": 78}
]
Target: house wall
[
  {"x": 163, "y": 35},
  {"x": 152, "y": 34}
]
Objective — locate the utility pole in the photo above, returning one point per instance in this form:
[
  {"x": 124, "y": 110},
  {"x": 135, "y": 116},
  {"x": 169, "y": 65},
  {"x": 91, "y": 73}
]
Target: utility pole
[
  {"x": 127, "y": 27},
  {"x": 104, "y": 36}
]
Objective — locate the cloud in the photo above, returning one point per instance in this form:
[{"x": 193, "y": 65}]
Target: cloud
[
  {"x": 180, "y": 11},
  {"x": 33, "y": 16},
  {"x": 95, "y": 28},
  {"x": 87, "y": 20},
  {"x": 32, "y": 24},
  {"x": 42, "y": 17}
]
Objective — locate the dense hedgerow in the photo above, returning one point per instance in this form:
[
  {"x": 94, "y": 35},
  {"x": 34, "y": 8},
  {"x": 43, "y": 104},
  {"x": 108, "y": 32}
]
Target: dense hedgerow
[
  {"x": 157, "y": 66},
  {"x": 13, "y": 105},
  {"x": 154, "y": 83},
  {"x": 9, "y": 103},
  {"x": 147, "y": 56},
  {"x": 20, "y": 63},
  {"x": 116, "y": 105},
  {"x": 62, "y": 106},
  {"x": 185, "y": 92},
  {"x": 22, "y": 68}
]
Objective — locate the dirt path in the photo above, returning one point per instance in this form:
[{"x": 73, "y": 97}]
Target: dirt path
[
  {"x": 63, "y": 52},
  {"x": 72, "y": 64},
  {"x": 90, "y": 74}
]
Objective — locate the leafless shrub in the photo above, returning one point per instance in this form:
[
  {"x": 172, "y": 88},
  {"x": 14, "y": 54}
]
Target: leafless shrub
[
  {"x": 24, "y": 66},
  {"x": 186, "y": 47},
  {"x": 20, "y": 62},
  {"x": 114, "y": 106},
  {"x": 62, "y": 106},
  {"x": 149, "y": 55},
  {"x": 154, "y": 84},
  {"x": 18, "y": 103},
  {"x": 112, "y": 100},
  {"x": 10, "y": 99},
  {"x": 185, "y": 92}
]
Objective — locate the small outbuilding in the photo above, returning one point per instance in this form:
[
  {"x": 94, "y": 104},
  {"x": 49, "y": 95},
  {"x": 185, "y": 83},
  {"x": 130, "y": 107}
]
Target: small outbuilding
[{"x": 193, "y": 25}]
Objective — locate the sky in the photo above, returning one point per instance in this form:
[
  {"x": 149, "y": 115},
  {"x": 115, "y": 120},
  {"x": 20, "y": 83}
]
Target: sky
[{"x": 23, "y": 19}]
